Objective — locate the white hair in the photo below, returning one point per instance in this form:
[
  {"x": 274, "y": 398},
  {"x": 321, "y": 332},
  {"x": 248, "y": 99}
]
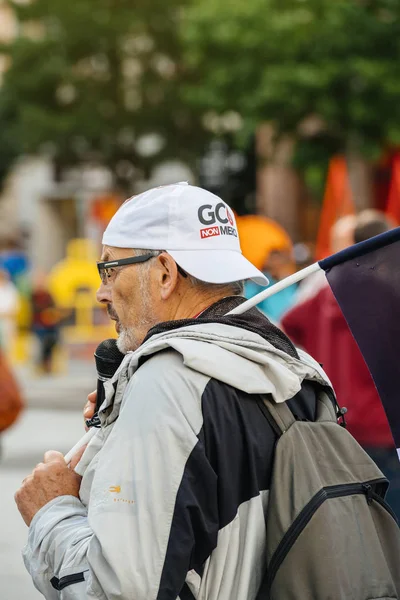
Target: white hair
[{"x": 234, "y": 288}]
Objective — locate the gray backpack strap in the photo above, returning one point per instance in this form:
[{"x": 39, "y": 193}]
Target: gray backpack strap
[
  {"x": 280, "y": 412},
  {"x": 325, "y": 408},
  {"x": 283, "y": 417}
]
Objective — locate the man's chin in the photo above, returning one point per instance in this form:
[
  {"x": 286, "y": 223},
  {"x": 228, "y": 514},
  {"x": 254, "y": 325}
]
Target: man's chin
[
  {"x": 121, "y": 345},
  {"x": 125, "y": 343}
]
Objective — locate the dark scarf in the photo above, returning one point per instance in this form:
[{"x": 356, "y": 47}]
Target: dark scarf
[{"x": 253, "y": 320}]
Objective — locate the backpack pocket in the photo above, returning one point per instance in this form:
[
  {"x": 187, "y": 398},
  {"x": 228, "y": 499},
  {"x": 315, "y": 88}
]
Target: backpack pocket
[{"x": 324, "y": 552}]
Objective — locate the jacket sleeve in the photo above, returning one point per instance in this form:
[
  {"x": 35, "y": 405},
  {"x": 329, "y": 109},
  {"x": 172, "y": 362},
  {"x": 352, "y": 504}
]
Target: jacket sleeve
[
  {"x": 152, "y": 514},
  {"x": 58, "y": 538}
]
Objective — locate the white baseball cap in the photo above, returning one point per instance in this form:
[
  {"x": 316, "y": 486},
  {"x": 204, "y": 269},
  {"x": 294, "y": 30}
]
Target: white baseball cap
[{"x": 195, "y": 227}]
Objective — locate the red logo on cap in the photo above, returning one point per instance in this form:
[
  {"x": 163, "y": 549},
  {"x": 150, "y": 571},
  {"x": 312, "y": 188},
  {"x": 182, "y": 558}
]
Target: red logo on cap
[
  {"x": 230, "y": 219},
  {"x": 209, "y": 232}
]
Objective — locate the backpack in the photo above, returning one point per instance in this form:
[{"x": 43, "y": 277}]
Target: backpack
[{"x": 330, "y": 533}]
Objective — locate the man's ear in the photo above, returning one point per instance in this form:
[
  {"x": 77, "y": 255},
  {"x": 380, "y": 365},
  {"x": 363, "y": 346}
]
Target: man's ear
[{"x": 168, "y": 276}]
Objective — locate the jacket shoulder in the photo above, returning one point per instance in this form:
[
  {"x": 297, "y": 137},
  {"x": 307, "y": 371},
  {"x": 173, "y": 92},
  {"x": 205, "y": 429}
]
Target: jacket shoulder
[{"x": 163, "y": 388}]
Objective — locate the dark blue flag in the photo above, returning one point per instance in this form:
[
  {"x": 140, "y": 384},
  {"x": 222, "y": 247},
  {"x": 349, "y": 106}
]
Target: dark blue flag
[{"x": 365, "y": 280}]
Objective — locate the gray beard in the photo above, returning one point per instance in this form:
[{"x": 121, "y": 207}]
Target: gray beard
[{"x": 128, "y": 340}]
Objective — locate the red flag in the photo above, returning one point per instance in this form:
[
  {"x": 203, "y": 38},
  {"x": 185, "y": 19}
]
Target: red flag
[
  {"x": 338, "y": 202},
  {"x": 393, "y": 204}
]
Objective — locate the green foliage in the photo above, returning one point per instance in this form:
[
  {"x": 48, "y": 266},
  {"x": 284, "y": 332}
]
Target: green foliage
[
  {"x": 9, "y": 147},
  {"x": 284, "y": 60},
  {"x": 87, "y": 79}
]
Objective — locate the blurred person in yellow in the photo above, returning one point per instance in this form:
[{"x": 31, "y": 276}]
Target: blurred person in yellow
[
  {"x": 9, "y": 303},
  {"x": 73, "y": 283},
  {"x": 77, "y": 271}
]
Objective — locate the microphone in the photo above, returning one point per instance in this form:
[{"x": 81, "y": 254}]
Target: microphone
[{"x": 108, "y": 358}]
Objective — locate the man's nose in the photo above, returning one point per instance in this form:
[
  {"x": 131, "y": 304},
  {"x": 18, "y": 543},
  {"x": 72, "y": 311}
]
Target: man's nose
[{"x": 103, "y": 294}]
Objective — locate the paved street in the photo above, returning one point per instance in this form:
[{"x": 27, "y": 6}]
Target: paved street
[
  {"x": 52, "y": 421},
  {"x": 63, "y": 391}
]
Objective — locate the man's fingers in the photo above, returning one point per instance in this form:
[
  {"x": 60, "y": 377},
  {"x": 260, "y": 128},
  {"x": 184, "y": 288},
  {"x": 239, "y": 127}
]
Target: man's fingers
[
  {"x": 53, "y": 456},
  {"x": 88, "y": 410},
  {"x": 49, "y": 479},
  {"x": 27, "y": 479},
  {"x": 92, "y": 397},
  {"x": 90, "y": 405}
]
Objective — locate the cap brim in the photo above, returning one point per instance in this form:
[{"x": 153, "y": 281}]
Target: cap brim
[{"x": 217, "y": 266}]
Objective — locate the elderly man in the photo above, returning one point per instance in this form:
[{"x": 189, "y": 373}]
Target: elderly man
[{"x": 169, "y": 498}]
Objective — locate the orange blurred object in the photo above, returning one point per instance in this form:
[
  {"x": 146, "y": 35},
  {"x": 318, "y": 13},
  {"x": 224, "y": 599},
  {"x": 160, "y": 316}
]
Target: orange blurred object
[
  {"x": 338, "y": 202},
  {"x": 104, "y": 207},
  {"x": 393, "y": 205},
  {"x": 259, "y": 236}
]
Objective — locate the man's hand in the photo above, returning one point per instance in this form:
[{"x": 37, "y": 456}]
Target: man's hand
[
  {"x": 90, "y": 407},
  {"x": 50, "y": 479}
]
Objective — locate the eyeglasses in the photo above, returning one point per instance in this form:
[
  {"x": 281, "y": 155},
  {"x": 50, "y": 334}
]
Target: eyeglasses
[{"x": 107, "y": 269}]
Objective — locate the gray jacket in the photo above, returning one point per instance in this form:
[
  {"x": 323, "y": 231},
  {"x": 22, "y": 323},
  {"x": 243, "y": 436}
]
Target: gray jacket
[{"x": 175, "y": 483}]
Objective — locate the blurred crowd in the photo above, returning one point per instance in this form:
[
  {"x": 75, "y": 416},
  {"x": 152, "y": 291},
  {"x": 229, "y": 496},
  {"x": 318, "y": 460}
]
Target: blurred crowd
[{"x": 26, "y": 305}]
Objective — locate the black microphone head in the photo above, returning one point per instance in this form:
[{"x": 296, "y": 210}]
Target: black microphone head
[{"x": 108, "y": 358}]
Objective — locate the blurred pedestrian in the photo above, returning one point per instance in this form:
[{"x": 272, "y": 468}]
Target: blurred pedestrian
[
  {"x": 13, "y": 259},
  {"x": 278, "y": 265},
  {"x": 11, "y": 403},
  {"x": 318, "y": 326},
  {"x": 341, "y": 237},
  {"x": 8, "y": 312},
  {"x": 45, "y": 323}
]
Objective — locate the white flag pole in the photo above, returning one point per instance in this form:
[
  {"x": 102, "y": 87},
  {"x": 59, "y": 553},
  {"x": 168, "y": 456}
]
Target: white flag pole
[
  {"x": 277, "y": 287},
  {"x": 82, "y": 442}
]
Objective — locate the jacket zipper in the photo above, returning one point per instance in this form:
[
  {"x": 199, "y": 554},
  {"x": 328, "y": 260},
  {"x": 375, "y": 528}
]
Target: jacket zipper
[{"x": 305, "y": 515}]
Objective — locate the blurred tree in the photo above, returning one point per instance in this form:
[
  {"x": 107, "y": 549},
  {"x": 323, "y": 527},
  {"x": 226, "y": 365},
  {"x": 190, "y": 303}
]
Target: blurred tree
[
  {"x": 9, "y": 147},
  {"x": 130, "y": 85},
  {"x": 312, "y": 67},
  {"x": 97, "y": 82}
]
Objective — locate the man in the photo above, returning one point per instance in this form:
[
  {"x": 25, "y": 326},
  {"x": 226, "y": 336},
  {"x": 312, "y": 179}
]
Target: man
[
  {"x": 170, "y": 496},
  {"x": 318, "y": 326},
  {"x": 341, "y": 237}
]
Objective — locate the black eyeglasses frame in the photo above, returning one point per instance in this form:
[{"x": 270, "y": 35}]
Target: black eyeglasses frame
[{"x": 108, "y": 264}]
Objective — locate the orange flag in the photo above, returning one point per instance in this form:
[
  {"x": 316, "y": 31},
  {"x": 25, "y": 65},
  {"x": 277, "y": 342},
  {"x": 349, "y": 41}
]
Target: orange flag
[
  {"x": 393, "y": 203},
  {"x": 338, "y": 202}
]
